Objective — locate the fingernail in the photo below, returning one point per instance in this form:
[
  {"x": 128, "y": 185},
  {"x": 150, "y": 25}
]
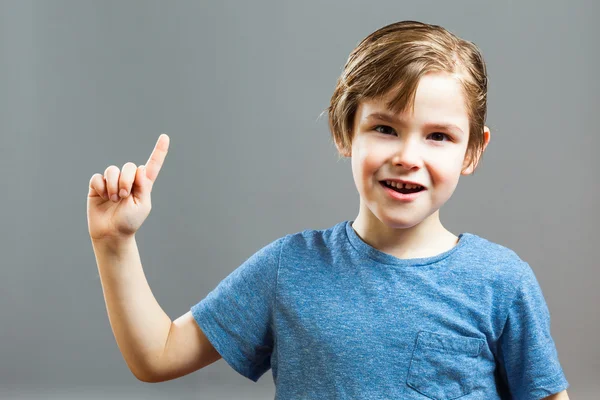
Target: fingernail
[
  {"x": 123, "y": 193},
  {"x": 114, "y": 198}
]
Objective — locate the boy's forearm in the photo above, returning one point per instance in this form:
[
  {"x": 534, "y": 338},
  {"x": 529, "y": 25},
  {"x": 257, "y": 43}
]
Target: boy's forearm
[{"x": 139, "y": 324}]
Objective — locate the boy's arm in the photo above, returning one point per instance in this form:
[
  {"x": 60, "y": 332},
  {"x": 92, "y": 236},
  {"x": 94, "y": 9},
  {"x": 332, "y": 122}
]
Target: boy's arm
[
  {"x": 558, "y": 396},
  {"x": 187, "y": 350},
  {"x": 139, "y": 324},
  {"x": 155, "y": 349}
]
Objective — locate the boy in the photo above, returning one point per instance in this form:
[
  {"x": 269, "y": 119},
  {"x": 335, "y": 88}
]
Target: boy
[{"x": 390, "y": 305}]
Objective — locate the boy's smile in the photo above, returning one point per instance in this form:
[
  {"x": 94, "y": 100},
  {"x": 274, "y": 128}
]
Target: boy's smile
[{"x": 426, "y": 147}]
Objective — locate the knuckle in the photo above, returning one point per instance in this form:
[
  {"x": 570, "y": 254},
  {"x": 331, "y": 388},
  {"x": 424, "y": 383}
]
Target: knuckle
[
  {"x": 128, "y": 176},
  {"x": 95, "y": 178},
  {"x": 111, "y": 170},
  {"x": 97, "y": 183}
]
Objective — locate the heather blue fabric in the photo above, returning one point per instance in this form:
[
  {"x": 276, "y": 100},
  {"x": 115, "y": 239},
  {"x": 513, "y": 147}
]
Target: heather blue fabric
[{"x": 335, "y": 318}]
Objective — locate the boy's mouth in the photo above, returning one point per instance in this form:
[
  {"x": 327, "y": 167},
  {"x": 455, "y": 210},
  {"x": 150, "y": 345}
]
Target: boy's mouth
[{"x": 402, "y": 189}]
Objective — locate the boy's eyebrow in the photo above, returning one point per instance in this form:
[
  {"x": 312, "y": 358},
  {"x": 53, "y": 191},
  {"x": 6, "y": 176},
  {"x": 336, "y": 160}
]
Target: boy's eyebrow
[{"x": 432, "y": 125}]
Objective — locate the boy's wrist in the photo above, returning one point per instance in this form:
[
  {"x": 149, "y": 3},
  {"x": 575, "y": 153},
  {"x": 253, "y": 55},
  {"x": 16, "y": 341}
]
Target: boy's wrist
[{"x": 113, "y": 244}]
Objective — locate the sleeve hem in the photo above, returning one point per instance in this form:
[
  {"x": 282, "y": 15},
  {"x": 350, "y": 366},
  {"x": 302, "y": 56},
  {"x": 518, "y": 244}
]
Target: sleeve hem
[
  {"x": 552, "y": 385},
  {"x": 230, "y": 357}
]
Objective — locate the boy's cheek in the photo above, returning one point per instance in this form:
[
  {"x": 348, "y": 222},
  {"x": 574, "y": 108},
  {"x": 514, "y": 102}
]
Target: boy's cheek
[{"x": 373, "y": 160}]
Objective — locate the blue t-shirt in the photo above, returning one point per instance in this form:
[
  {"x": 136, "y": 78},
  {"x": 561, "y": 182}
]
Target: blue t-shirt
[{"x": 335, "y": 318}]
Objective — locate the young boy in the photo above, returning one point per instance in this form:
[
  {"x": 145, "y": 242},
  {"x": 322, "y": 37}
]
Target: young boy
[{"x": 390, "y": 305}]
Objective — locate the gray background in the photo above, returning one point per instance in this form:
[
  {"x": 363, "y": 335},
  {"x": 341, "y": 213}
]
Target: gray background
[{"x": 239, "y": 86}]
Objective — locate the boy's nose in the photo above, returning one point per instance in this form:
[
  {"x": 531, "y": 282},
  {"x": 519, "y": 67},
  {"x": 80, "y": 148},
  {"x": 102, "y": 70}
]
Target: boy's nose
[{"x": 408, "y": 156}]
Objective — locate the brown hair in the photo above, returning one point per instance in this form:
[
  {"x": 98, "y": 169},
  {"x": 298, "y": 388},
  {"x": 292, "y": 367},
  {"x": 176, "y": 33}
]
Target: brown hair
[{"x": 396, "y": 57}]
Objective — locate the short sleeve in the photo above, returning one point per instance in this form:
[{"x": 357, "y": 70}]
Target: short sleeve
[
  {"x": 236, "y": 315},
  {"x": 526, "y": 351}
]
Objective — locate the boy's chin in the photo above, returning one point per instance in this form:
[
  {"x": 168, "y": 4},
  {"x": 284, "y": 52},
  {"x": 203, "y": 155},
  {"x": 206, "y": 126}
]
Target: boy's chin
[
  {"x": 400, "y": 222},
  {"x": 404, "y": 219}
]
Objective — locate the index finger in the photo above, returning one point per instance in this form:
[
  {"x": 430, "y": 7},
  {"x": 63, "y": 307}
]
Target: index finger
[{"x": 155, "y": 162}]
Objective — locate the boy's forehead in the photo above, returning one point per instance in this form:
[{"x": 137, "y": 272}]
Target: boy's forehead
[{"x": 438, "y": 100}]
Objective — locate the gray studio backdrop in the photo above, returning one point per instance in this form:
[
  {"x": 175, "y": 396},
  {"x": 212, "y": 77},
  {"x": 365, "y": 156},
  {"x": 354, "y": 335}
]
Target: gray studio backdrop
[{"x": 239, "y": 86}]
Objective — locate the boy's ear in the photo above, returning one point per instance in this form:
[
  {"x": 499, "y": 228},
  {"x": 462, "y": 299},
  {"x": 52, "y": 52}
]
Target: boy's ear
[{"x": 468, "y": 169}]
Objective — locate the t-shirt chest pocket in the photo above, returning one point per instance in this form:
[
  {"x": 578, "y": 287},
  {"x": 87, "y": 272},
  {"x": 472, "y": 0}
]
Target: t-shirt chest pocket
[{"x": 444, "y": 367}]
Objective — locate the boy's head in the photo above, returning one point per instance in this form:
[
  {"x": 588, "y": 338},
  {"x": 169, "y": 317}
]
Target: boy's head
[{"x": 419, "y": 75}]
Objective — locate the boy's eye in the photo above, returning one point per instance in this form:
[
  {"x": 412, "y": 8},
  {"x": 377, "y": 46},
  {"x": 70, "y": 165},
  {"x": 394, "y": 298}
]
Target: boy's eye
[
  {"x": 439, "y": 135},
  {"x": 381, "y": 126}
]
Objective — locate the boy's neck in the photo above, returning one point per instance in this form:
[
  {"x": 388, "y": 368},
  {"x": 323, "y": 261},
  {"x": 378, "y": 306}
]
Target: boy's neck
[{"x": 427, "y": 239}]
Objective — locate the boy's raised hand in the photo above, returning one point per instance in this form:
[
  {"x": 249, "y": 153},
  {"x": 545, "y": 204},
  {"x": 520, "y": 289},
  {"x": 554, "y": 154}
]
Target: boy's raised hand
[{"x": 115, "y": 220}]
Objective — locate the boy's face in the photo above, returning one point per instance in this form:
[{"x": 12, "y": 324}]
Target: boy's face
[{"x": 409, "y": 147}]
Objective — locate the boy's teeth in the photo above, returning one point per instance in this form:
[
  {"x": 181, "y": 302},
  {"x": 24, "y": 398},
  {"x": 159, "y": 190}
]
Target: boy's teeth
[{"x": 400, "y": 185}]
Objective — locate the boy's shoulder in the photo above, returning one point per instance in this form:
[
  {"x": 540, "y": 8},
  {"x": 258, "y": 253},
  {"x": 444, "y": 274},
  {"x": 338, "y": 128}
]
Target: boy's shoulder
[
  {"x": 494, "y": 257},
  {"x": 485, "y": 248},
  {"x": 316, "y": 237}
]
